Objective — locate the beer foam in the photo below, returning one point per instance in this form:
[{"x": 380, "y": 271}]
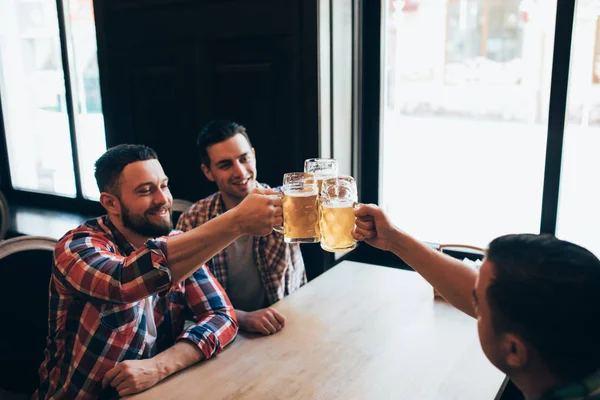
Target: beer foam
[
  {"x": 300, "y": 193},
  {"x": 338, "y": 204},
  {"x": 325, "y": 173}
]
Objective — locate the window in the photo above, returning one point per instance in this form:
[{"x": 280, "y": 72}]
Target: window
[
  {"x": 464, "y": 136},
  {"x": 51, "y": 103},
  {"x": 337, "y": 90},
  {"x": 578, "y": 207},
  {"x": 472, "y": 140}
]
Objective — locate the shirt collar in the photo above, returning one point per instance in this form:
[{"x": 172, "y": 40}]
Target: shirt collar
[
  {"x": 576, "y": 390},
  {"x": 119, "y": 239}
]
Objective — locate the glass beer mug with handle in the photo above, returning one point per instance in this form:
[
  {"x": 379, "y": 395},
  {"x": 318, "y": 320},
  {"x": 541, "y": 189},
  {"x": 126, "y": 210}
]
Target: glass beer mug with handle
[
  {"x": 300, "y": 208},
  {"x": 338, "y": 200},
  {"x": 323, "y": 168}
]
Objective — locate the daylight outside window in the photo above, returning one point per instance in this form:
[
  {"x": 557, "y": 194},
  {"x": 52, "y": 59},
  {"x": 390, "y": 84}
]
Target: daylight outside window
[
  {"x": 465, "y": 98},
  {"x": 33, "y": 92},
  {"x": 579, "y": 201}
]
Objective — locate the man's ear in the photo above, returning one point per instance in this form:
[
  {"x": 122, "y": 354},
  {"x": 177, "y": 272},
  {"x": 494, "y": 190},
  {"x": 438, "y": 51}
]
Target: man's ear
[
  {"x": 207, "y": 173},
  {"x": 110, "y": 202},
  {"x": 516, "y": 353}
]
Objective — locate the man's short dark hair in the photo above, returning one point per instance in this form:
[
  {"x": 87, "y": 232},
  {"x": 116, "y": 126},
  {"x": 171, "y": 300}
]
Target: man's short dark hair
[
  {"x": 110, "y": 165},
  {"x": 547, "y": 291},
  {"x": 216, "y": 132}
]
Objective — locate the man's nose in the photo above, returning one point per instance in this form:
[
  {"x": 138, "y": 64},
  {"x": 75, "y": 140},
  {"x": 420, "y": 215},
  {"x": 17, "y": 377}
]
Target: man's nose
[
  {"x": 238, "y": 169},
  {"x": 161, "y": 197}
]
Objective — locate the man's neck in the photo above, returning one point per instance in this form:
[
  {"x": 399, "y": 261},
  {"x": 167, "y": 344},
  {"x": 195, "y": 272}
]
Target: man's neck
[
  {"x": 135, "y": 239},
  {"x": 534, "y": 385},
  {"x": 229, "y": 202}
]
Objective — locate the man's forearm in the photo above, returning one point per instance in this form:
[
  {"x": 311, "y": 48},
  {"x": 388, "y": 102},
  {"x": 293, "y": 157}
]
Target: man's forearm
[
  {"x": 175, "y": 358},
  {"x": 190, "y": 250},
  {"x": 450, "y": 277}
]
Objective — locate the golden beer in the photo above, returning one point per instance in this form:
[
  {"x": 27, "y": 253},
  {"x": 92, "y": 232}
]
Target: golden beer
[
  {"x": 301, "y": 217},
  {"x": 337, "y": 199},
  {"x": 337, "y": 223}
]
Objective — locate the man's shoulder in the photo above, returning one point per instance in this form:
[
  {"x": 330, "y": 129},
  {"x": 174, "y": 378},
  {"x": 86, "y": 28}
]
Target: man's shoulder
[
  {"x": 206, "y": 202},
  {"x": 201, "y": 211},
  {"x": 93, "y": 232},
  {"x": 91, "y": 227},
  {"x": 204, "y": 205}
]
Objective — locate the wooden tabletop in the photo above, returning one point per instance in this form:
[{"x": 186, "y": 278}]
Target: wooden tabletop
[{"x": 359, "y": 332}]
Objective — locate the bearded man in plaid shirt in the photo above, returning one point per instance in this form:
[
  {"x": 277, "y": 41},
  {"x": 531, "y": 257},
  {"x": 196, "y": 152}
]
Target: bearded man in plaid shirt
[
  {"x": 123, "y": 284},
  {"x": 255, "y": 271}
]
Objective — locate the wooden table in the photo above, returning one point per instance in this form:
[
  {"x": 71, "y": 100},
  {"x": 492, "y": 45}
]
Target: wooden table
[{"x": 357, "y": 332}]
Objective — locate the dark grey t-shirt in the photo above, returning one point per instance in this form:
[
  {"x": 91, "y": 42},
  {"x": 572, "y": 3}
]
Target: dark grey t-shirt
[{"x": 244, "y": 285}]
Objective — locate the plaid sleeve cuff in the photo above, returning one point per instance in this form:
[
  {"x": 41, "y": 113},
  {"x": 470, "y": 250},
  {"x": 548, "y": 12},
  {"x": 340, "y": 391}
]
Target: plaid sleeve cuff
[
  {"x": 204, "y": 338},
  {"x": 211, "y": 335},
  {"x": 158, "y": 246}
]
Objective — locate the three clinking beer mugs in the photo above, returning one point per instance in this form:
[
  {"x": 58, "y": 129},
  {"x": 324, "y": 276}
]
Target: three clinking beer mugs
[{"x": 318, "y": 206}]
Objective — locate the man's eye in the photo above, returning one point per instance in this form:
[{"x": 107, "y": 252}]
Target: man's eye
[{"x": 144, "y": 192}]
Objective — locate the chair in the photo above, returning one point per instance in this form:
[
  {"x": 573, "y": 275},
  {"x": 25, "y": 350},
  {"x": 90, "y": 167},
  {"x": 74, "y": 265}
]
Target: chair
[
  {"x": 4, "y": 216},
  {"x": 179, "y": 207},
  {"x": 460, "y": 251},
  {"x": 25, "y": 267},
  {"x": 463, "y": 250}
]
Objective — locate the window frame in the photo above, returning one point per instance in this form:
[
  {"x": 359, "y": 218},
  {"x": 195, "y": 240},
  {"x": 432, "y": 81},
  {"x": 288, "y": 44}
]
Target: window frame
[
  {"x": 370, "y": 95},
  {"x": 78, "y": 204}
]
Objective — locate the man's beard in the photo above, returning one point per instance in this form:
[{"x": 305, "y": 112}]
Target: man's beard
[{"x": 143, "y": 226}]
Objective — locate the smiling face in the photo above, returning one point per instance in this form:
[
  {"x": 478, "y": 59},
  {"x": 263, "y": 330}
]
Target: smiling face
[
  {"x": 232, "y": 167},
  {"x": 145, "y": 199}
]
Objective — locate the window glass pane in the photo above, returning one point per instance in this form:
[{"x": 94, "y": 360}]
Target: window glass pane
[
  {"x": 33, "y": 98},
  {"x": 91, "y": 140},
  {"x": 464, "y": 117},
  {"x": 341, "y": 58},
  {"x": 579, "y": 210}
]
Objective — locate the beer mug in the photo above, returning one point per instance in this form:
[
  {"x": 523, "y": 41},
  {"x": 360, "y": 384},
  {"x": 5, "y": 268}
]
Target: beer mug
[
  {"x": 300, "y": 208},
  {"x": 337, "y": 202},
  {"x": 323, "y": 168}
]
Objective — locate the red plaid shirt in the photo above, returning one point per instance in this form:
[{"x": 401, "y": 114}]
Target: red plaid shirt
[
  {"x": 280, "y": 264},
  {"x": 98, "y": 290}
]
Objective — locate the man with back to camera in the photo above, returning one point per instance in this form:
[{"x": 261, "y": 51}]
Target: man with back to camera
[
  {"x": 122, "y": 285},
  {"x": 536, "y": 299},
  {"x": 255, "y": 271}
]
